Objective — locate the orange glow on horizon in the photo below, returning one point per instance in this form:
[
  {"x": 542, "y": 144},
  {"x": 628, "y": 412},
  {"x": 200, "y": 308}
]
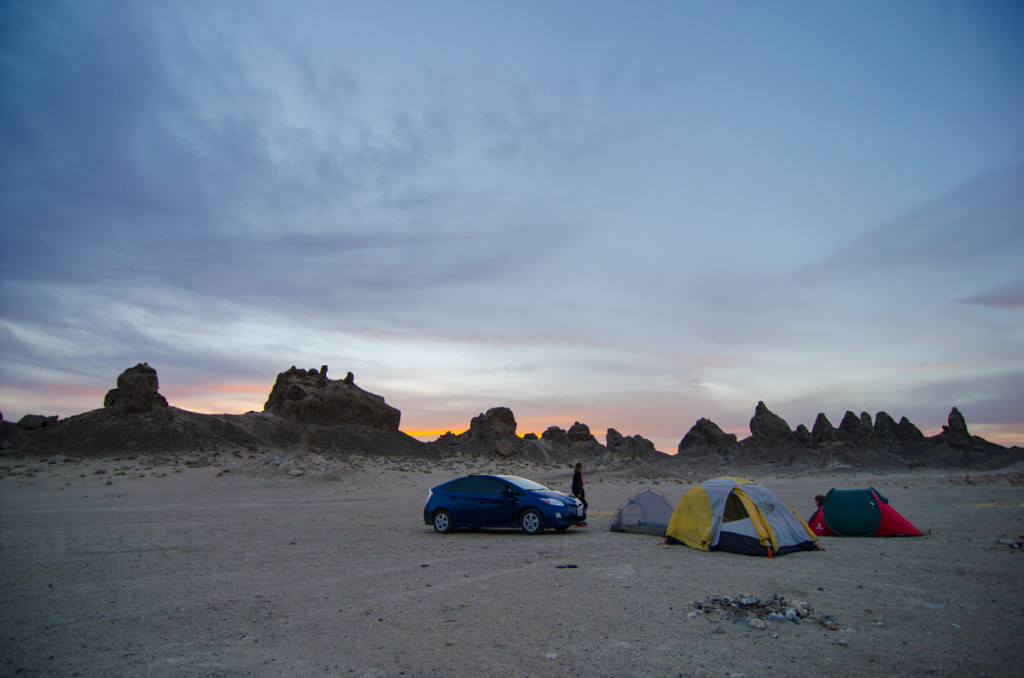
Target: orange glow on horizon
[
  {"x": 218, "y": 387},
  {"x": 436, "y": 433}
]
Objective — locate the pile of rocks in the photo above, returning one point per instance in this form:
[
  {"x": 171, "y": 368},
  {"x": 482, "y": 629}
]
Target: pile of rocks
[
  {"x": 758, "y": 613},
  {"x": 1014, "y": 544}
]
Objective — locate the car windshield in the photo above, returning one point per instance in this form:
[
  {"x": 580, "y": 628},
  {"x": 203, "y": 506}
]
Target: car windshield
[{"x": 523, "y": 483}]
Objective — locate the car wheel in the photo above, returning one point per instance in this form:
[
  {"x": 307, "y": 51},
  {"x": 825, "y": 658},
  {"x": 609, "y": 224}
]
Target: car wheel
[
  {"x": 531, "y": 522},
  {"x": 442, "y": 522}
]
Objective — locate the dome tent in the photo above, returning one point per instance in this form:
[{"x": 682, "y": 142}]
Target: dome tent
[
  {"x": 859, "y": 513},
  {"x": 740, "y": 516},
  {"x": 646, "y": 512}
]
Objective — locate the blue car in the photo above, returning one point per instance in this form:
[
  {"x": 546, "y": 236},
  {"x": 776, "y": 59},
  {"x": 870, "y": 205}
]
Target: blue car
[{"x": 500, "y": 501}]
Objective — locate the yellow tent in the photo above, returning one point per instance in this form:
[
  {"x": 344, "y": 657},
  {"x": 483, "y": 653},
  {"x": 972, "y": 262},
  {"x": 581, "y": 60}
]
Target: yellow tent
[{"x": 737, "y": 515}]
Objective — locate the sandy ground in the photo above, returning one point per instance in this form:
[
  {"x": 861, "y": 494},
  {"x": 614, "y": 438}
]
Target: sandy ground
[{"x": 130, "y": 568}]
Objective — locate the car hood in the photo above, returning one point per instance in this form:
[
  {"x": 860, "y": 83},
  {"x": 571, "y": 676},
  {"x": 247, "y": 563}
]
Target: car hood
[{"x": 555, "y": 494}]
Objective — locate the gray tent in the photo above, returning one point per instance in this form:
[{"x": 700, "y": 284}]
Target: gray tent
[{"x": 646, "y": 512}]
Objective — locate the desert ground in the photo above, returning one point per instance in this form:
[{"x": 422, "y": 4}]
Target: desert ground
[{"x": 152, "y": 567}]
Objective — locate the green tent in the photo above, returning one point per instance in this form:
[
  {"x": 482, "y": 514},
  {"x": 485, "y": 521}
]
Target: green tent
[{"x": 859, "y": 513}]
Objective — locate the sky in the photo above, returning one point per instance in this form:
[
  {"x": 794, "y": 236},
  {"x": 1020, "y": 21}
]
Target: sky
[{"x": 631, "y": 215}]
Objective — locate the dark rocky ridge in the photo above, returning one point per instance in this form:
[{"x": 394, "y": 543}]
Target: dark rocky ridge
[
  {"x": 305, "y": 410},
  {"x": 493, "y": 434},
  {"x": 858, "y": 442},
  {"x": 308, "y": 412}
]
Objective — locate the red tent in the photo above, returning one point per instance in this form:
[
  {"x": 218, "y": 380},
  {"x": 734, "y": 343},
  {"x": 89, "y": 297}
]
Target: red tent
[{"x": 859, "y": 513}]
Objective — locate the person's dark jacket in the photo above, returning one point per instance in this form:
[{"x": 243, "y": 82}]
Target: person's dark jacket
[{"x": 577, "y": 483}]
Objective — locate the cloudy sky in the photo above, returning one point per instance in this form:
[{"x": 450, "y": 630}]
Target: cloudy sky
[{"x": 632, "y": 215}]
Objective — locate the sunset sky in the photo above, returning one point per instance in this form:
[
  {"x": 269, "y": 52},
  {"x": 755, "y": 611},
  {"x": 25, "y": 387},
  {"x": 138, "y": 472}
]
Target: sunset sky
[{"x": 628, "y": 214}]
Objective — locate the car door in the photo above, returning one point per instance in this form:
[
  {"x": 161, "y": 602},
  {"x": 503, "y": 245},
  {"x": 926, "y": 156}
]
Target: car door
[
  {"x": 460, "y": 497},
  {"x": 495, "y": 502}
]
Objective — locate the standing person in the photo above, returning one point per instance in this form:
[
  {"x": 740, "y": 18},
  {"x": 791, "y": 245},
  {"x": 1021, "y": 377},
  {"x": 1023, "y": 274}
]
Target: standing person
[{"x": 577, "y": 487}]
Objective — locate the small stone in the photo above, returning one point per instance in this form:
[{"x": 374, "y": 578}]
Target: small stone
[
  {"x": 842, "y": 642},
  {"x": 757, "y": 623}
]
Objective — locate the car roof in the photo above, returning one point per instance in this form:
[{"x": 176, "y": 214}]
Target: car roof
[{"x": 499, "y": 476}]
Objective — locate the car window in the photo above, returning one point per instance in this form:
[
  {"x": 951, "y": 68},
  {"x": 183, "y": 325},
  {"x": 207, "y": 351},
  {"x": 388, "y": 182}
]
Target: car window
[
  {"x": 524, "y": 484},
  {"x": 489, "y": 486},
  {"x": 461, "y": 485}
]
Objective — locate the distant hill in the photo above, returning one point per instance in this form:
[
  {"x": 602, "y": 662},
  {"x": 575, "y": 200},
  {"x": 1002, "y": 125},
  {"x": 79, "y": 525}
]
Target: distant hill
[{"x": 310, "y": 413}]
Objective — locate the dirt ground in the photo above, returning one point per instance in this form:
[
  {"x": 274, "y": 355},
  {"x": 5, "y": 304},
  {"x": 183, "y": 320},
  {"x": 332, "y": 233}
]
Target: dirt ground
[{"x": 136, "y": 568}]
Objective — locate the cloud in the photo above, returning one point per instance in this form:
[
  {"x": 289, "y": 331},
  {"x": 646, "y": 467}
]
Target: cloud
[
  {"x": 224, "y": 191},
  {"x": 1008, "y": 295}
]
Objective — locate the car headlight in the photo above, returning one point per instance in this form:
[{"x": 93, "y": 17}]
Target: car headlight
[{"x": 553, "y": 502}]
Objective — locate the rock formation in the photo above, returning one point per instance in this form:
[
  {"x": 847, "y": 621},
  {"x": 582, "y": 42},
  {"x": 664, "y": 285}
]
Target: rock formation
[
  {"x": 706, "y": 433},
  {"x": 634, "y": 448},
  {"x": 823, "y": 431},
  {"x": 308, "y": 396},
  {"x": 309, "y": 414},
  {"x": 885, "y": 426},
  {"x": 31, "y": 422},
  {"x": 580, "y": 433},
  {"x": 887, "y": 430},
  {"x": 905, "y": 430},
  {"x": 956, "y": 433},
  {"x": 555, "y": 434},
  {"x": 768, "y": 428},
  {"x": 137, "y": 391},
  {"x": 865, "y": 429},
  {"x": 498, "y": 423},
  {"x": 848, "y": 427},
  {"x": 803, "y": 436}
]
